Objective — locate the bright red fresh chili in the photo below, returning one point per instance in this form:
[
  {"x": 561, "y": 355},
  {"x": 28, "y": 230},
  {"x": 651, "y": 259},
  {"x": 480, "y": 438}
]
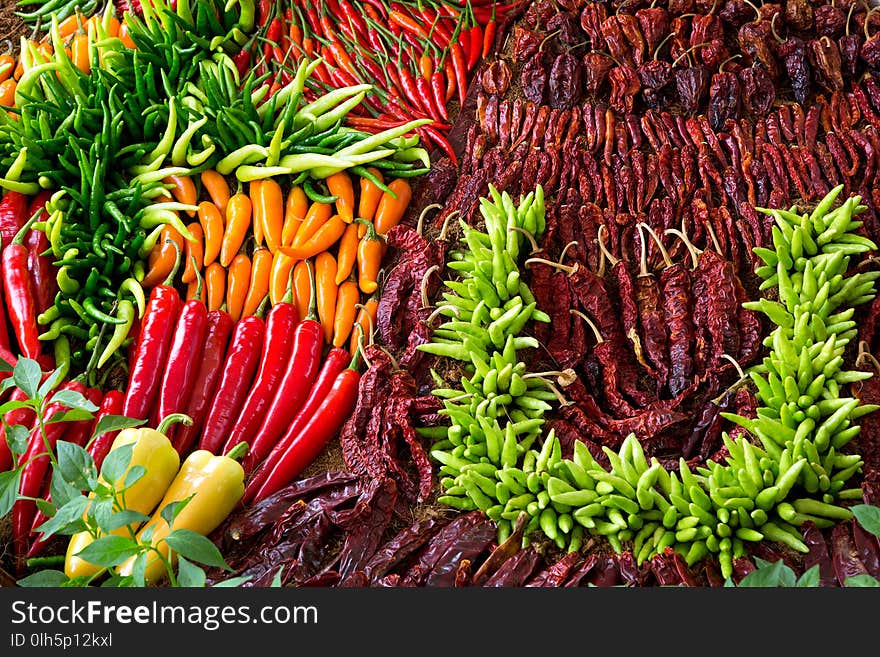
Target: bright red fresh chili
[{"x": 19, "y": 293}]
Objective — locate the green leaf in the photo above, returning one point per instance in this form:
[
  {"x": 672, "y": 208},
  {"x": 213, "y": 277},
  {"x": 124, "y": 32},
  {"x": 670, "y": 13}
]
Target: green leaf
[
  {"x": 46, "y": 508},
  {"x": 114, "y": 423},
  {"x": 171, "y": 510},
  {"x": 861, "y": 581},
  {"x": 123, "y": 518},
  {"x": 139, "y": 570},
  {"x": 73, "y": 399},
  {"x": 60, "y": 490},
  {"x": 868, "y": 516},
  {"x": 134, "y": 473},
  {"x": 5, "y": 365},
  {"x": 810, "y": 578},
  {"x": 75, "y": 464},
  {"x": 13, "y": 405},
  {"x": 9, "y": 482},
  {"x": 7, "y": 383},
  {"x": 26, "y": 375},
  {"x": 76, "y": 415},
  {"x": 116, "y": 462},
  {"x": 276, "y": 580},
  {"x": 116, "y": 581},
  {"x": 189, "y": 575},
  {"x": 193, "y": 545},
  {"x": 78, "y": 582},
  {"x": 43, "y": 578},
  {"x": 109, "y": 551},
  {"x": 772, "y": 576},
  {"x": 68, "y": 519},
  {"x": 51, "y": 382},
  {"x": 147, "y": 533},
  {"x": 101, "y": 510},
  {"x": 232, "y": 582},
  {"x": 17, "y": 436}
]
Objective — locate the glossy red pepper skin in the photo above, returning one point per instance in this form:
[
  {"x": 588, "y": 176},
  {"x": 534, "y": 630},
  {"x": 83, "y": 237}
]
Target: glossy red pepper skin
[
  {"x": 111, "y": 405},
  {"x": 291, "y": 393},
  {"x": 438, "y": 90},
  {"x": 337, "y": 359},
  {"x": 37, "y": 460},
  {"x": 239, "y": 367},
  {"x": 154, "y": 341},
  {"x": 13, "y": 214},
  {"x": 43, "y": 272},
  {"x": 22, "y": 416},
  {"x": 183, "y": 359},
  {"x": 210, "y": 368},
  {"x": 314, "y": 436},
  {"x": 277, "y": 348},
  {"x": 19, "y": 292}
]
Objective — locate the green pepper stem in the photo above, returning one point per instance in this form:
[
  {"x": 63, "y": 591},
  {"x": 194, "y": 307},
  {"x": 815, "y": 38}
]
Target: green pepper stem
[
  {"x": 261, "y": 309},
  {"x": 171, "y": 418},
  {"x": 23, "y": 231},
  {"x": 313, "y": 293},
  {"x": 198, "y": 277},
  {"x": 169, "y": 282},
  {"x": 238, "y": 452}
]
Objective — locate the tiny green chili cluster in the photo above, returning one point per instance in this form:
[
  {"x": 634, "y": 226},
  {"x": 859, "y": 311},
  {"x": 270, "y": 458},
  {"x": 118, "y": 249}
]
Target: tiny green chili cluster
[{"x": 762, "y": 492}]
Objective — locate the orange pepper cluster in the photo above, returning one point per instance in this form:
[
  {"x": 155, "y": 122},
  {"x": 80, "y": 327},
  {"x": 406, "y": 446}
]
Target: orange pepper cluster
[{"x": 250, "y": 247}]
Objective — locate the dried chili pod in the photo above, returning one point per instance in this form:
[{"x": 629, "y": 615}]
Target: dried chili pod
[
  {"x": 595, "y": 69},
  {"x": 724, "y": 99},
  {"x": 825, "y": 59},
  {"x": 534, "y": 79},
  {"x": 592, "y": 16},
  {"x": 651, "y": 314},
  {"x": 705, "y": 28},
  {"x": 829, "y": 20},
  {"x": 692, "y": 83},
  {"x": 565, "y": 25},
  {"x": 754, "y": 40},
  {"x": 870, "y": 49},
  {"x": 540, "y": 12},
  {"x": 793, "y": 52},
  {"x": 615, "y": 40},
  {"x": 654, "y": 24},
  {"x": 565, "y": 82},
  {"x": 629, "y": 26},
  {"x": 736, "y": 12},
  {"x": 496, "y": 78},
  {"x": 624, "y": 87},
  {"x": 799, "y": 14},
  {"x": 850, "y": 46},
  {"x": 526, "y": 43},
  {"x": 757, "y": 90},
  {"x": 655, "y": 74}
]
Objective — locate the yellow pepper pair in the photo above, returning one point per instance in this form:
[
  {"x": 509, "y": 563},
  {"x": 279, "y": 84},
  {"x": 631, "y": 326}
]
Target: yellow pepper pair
[{"x": 215, "y": 483}]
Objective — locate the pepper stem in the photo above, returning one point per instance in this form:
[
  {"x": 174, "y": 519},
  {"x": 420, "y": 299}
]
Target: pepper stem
[
  {"x": 688, "y": 52},
  {"x": 643, "y": 252},
  {"x": 694, "y": 251},
  {"x": 169, "y": 281},
  {"x": 604, "y": 249},
  {"x": 714, "y": 237},
  {"x": 736, "y": 365},
  {"x": 199, "y": 281},
  {"x": 563, "y": 377},
  {"x": 23, "y": 231},
  {"x": 238, "y": 452},
  {"x": 731, "y": 58},
  {"x": 171, "y": 418},
  {"x": 662, "y": 43},
  {"x": 430, "y": 318},
  {"x": 529, "y": 237},
  {"x": 93, "y": 359},
  {"x": 423, "y": 286},
  {"x": 445, "y": 226},
  {"x": 660, "y": 246},
  {"x": 261, "y": 309},
  {"x": 556, "y": 265},
  {"x": 599, "y": 338},
  {"x": 421, "y": 221},
  {"x": 313, "y": 293},
  {"x": 773, "y": 29},
  {"x": 865, "y": 353},
  {"x": 757, "y": 11},
  {"x": 565, "y": 250}
]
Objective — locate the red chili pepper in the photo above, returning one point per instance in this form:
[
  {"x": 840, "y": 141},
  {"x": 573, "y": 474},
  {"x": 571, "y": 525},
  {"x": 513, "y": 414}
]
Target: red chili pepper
[
  {"x": 337, "y": 359},
  {"x": 13, "y": 214},
  {"x": 410, "y": 90},
  {"x": 22, "y": 416},
  {"x": 154, "y": 341},
  {"x": 280, "y": 323},
  {"x": 111, "y": 405},
  {"x": 438, "y": 89},
  {"x": 184, "y": 356},
  {"x": 437, "y": 137},
  {"x": 242, "y": 60},
  {"x": 475, "y": 48},
  {"x": 460, "y": 69},
  {"x": 264, "y": 10},
  {"x": 335, "y": 408},
  {"x": 407, "y": 22},
  {"x": 36, "y": 459},
  {"x": 489, "y": 34},
  {"x": 43, "y": 272},
  {"x": 449, "y": 72},
  {"x": 273, "y": 32},
  {"x": 19, "y": 293},
  {"x": 239, "y": 367},
  {"x": 210, "y": 369},
  {"x": 426, "y": 95}
]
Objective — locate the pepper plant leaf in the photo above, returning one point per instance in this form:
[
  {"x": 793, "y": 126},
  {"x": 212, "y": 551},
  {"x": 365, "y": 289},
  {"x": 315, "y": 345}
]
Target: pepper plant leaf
[
  {"x": 861, "y": 581},
  {"x": 114, "y": 423},
  {"x": 193, "y": 545},
  {"x": 67, "y": 519},
  {"x": 75, "y": 415},
  {"x": 9, "y": 482},
  {"x": 868, "y": 516},
  {"x": 17, "y": 438},
  {"x": 26, "y": 375},
  {"x": 109, "y": 551},
  {"x": 51, "y": 382},
  {"x": 75, "y": 464},
  {"x": 116, "y": 462},
  {"x": 43, "y": 579},
  {"x": 171, "y": 510},
  {"x": 769, "y": 575},
  {"x": 189, "y": 575},
  {"x": 73, "y": 399}
]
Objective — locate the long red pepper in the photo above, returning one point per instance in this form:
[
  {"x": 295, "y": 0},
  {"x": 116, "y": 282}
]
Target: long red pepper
[
  {"x": 43, "y": 272},
  {"x": 280, "y": 323},
  {"x": 438, "y": 90},
  {"x": 184, "y": 356},
  {"x": 314, "y": 436},
  {"x": 111, "y": 405},
  {"x": 426, "y": 95},
  {"x": 13, "y": 214},
  {"x": 210, "y": 368},
  {"x": 36, "y": 460},
  {"x": 337, "y": 359},
  {"x": 293, "y": 388},
  {"x": 459, "y": 66},
  {"x": 239, "y": 367},
  {"x": 22, "y": 416},
  {"x": 19, "y": 293},
  {"x": 154, "y": 341}
]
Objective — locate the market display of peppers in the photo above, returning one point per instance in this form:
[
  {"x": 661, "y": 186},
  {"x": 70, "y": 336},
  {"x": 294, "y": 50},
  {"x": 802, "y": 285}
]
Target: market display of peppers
[{"x": 448, "y": 293}]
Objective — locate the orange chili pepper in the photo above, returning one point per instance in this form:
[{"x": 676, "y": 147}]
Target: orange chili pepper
[
  {"x": 217, "y": 188},
  {"x": 347, "y": 299},
  {"x": 269, "y": 206},
  {"x": 7, "y": 66},
  {"x": 193, "y": 288},
  {"x": 113, "y": 24},
  {"x": 211, "y": 221},
  {"x": 369, "y": 200},
  {"x": 426, "y": 66},
  {"x": 215, "y": 281},
  {"x": 346, "y": 255},
  {"x": 316, "y": 217},
  {"x": 238, "y": 221},
  {"x": 261, "y": 269},
  {"x": 183, "y": 190},
  {"x": 258, "y": 215},
  {"x": 79, "y": 53},
  {"x": 7, "y": 93},
  {"x": 69, "y": 25},
  {"x": 163, "y": 256},
  {"x": 279, "y": 278},
  {"x": 390, "y": 210},
  {"x": 238, "y": 280},
  {"x": 340, "y": 186},
  {"x": 369, "y": 259},
  {"x": 125, "y": 36},
  {"x": 302, "y": 287},
  {"x": 294, "y": 212},
  {"x": 296, "y": 34},
  {"x": 194, "y": 250},
  {"x": 364, "y": 324},
  {"x": 325, "y": 282},
  {"x": 324, "y": 238}
]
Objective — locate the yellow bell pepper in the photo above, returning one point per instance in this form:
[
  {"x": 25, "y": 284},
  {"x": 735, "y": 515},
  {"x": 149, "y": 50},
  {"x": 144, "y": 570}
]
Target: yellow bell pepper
[
  {"x": 152, "y": 450},
  {"x": 216, "y": 484}
]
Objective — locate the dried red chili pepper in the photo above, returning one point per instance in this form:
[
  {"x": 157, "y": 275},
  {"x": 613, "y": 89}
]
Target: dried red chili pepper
[
  {"x": 724, "y": 99},
  {"x": 651, "y": 316},
  {"x": 654, "y": 25},
  {"x": 692, "y": 84},
  {"x": 565, "y": 83},
  {"x": 624, "y": 87},
  {"x": 754, "y": 40},
  {"x": 596, "y": 66},
  {"x": 533, "y": 79}
]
